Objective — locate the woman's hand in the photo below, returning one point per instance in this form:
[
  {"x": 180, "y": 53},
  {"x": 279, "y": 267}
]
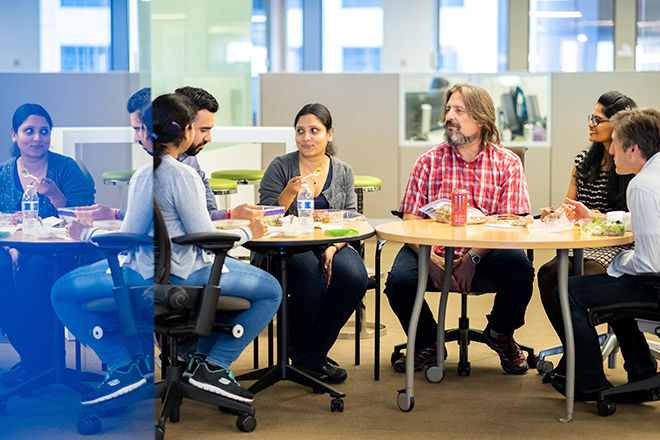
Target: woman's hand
[
  {"x": 247, "y": 211},
  {"x": 74, "y": 229},
  {"x": 290, "y": 192},
  {"x": 88, "y": 214},
  {"x": 326, "y": 262},
  {"x": 258, "y": 227},
  {"x": 577, "y": 210},
  {"x": 48, "y": 188},
  {"x": 15, "y": 259}
]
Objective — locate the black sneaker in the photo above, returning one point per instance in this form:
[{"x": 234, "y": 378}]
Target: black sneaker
[
  {"x": 218, "y": 380},
  {"x": 192, "y": 364},
  {"x": 116, "y": 383},
  {"x": 328, "y": 373},
  {"x": 512, "y": 357}
]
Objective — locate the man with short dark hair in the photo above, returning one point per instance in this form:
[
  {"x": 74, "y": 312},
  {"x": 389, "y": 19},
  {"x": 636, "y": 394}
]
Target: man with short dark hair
[
  {"x": 206, "y": 106},
  {"x": 636, "y": 149},
  {"x": 472, "y": 159},
  {"x": 135, "y": 106}
]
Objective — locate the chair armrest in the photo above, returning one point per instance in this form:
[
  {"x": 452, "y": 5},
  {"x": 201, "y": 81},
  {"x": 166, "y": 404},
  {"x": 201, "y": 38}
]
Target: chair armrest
[
  {"x": 211, "y": 241},
  {"x": 121, "y": 240},
  {"x": 617, "y": 311}
]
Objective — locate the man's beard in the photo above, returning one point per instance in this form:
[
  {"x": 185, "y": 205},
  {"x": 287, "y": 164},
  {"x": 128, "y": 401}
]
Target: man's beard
[
  {"x": 457, "y": 139},
  {"x": 194, "y": 149}
]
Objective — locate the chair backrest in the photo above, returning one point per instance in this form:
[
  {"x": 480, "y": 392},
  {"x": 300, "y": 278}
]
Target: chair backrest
[
  {"x": 162, "y": 248},
  {"x": 519, "y": 151}
]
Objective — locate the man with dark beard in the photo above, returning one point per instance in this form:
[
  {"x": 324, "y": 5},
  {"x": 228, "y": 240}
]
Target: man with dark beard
[
  {"x": 472, "y": 159},
  {"x": 206, "y": 106}
]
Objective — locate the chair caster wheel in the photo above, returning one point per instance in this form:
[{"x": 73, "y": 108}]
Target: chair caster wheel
[
  {"x": 606, "y": 407},
  {"x": 337, "y": 405},
  {"x": 89, "y": 425},
  {"x": 160, "y": 433},
  {"x": 405, "y": 403},
  {"x": 246, "y": 423},
  {"x": 434, "y": 374},
  {"x": 543, "y": 366},
  {"x": 464, "y": 369}
]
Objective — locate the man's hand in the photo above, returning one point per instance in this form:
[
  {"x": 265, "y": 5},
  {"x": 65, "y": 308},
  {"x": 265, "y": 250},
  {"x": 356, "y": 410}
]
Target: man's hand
[
  {"x": 247, "y": 211},
  {"x": 258, "y": 227},
  {"x": 74, "y": 229},
  {"x": 88, "y": 214},
  {"x": 463, "y": 273},
  {"x": 437, "y": 272}
]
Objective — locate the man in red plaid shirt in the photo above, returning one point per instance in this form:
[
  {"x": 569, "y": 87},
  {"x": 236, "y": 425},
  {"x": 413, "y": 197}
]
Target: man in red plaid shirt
[{"x": 470, "y": 158}]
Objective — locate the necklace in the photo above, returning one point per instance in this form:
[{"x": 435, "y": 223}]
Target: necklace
[{"x": 31, "y": 174}]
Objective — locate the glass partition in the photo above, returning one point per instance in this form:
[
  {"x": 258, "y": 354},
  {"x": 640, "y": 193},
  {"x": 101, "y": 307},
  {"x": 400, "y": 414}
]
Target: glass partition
[{"x": 522, "y": 104}]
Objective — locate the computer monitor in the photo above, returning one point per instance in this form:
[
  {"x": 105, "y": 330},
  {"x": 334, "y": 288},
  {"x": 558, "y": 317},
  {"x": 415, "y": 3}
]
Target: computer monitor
[
  {"x": 509, "y": 111},
  {"x": 533, "y": 115},
  {"x": 414, "y": 112}
]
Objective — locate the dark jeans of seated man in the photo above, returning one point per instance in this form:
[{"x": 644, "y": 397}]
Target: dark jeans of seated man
[
  {"x": 511, "y": 271},
  {"x": 590, "y": 291},
  {"x": 318, "y": 312}
]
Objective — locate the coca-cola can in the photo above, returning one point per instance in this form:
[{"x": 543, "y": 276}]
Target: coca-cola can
[{"x": 459, "y": 207}]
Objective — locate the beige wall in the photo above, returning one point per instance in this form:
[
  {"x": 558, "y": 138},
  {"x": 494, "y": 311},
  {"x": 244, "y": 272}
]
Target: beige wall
[{"x": 365, "y": 113}]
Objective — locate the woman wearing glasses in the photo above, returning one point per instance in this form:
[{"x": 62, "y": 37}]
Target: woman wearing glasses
[{"x": 594, "y": 183}]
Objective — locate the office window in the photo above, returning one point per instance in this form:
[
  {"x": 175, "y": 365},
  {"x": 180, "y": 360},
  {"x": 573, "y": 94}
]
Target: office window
[
  {"x": 647, "y": 51},
  {"x": 361, "y": 59},
  {"x": 85, "y": 3},
  {"x": 84, "y": 59},
  {"x": 472, "y": 35},
  {"x": 353, "y": 29},
  {"x": 294, "y": 32},
  {"x": 570, "y": 36}
]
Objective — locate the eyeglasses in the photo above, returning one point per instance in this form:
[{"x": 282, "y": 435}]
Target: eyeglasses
[{"x": 595, "y": 120}]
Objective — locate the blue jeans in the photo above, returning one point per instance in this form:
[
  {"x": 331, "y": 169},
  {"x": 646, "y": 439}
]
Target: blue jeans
[
  {"x": 511, "y": 271},
  {"x": 318, "y": 312},
  {"x": 585, "y": 292},
  {"x": 244, "y": 281},
  {"x": 91, "y": 282}
]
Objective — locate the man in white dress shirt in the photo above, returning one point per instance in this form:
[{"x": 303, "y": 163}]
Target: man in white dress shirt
[{"x": 636, "y": 149}]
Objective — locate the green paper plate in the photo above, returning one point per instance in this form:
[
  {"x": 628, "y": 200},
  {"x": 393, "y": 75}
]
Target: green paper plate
[
  {"x": 4, "y": 234},
  {"x": 341, "y": 232}
]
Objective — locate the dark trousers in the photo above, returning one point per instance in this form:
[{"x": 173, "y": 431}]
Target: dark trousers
[
  {"x": 318, "y": 312},
  {"x": 547, "y": 280},
  {"x": 510, "y": 270},
  {"x": 590, "y": 291}
]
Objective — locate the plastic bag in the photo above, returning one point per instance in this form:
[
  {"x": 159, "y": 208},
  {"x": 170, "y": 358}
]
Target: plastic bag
[{"x": 440, "y": 211}]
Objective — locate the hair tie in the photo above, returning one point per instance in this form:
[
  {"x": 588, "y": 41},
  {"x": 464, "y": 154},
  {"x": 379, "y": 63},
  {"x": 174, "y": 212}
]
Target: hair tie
[
  {"x": 174, "y": 123},
  {"x": 154, "y": 135}
]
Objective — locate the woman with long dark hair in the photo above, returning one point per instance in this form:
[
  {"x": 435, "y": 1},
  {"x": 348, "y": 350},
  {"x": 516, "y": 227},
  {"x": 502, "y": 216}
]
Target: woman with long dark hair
[{"x": 595, "y": 183}]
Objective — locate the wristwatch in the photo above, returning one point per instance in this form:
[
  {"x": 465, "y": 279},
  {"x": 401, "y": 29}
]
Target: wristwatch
[{"x": 474, "y": 257}]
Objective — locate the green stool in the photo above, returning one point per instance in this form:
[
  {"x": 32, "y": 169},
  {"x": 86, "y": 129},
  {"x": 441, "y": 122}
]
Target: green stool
[
  {"x": 242, "y": 177},
  {"x": 117, "y": 177},
  {"x": 223, "y": 187},
  {"x": 365, "y": 184}
]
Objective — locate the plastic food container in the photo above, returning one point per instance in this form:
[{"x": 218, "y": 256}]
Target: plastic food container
[
  {"x": 601, "y": 227},
  {"x": 108, "y": 225},
  {"x": 338, "y": 216},
  {"x": 273, "y": 214}
]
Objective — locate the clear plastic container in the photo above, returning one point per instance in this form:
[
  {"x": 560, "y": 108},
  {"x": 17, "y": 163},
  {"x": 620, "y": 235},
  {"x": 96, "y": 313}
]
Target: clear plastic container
[{"x": 273, "y": 215}]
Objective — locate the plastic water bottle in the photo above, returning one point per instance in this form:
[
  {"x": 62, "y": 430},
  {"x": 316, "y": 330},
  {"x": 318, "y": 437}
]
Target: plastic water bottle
[
  {"x": 306, "y": 209},
  {"x": 30, "y": 208}
]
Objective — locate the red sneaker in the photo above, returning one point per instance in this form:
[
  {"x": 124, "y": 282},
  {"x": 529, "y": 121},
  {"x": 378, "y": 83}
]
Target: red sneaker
[
  {"x": 423, "y": 356},
  {"x": 512, "y": 358}
]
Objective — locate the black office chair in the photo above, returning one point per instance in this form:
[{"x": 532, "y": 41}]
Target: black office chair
[
  {"x": 647, "y": 315},
  {"x": 134, "y": 306},
  {"x": 464, "y": 334},
  {"x": 186, "y": 311}
]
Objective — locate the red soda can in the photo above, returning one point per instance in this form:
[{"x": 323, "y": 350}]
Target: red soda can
[{"x": 459, "y": 207}]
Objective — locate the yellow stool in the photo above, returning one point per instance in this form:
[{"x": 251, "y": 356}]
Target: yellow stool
[
  {"x": 365, "y": 184},
  {"x": 223, "y": 187}
]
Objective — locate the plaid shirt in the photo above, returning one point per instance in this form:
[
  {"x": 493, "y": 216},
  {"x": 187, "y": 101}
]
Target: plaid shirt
[{"x": 494, "y": 179}]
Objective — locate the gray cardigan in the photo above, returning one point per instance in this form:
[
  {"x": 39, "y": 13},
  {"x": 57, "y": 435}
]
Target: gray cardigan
[{"x": 340, "y": 194}]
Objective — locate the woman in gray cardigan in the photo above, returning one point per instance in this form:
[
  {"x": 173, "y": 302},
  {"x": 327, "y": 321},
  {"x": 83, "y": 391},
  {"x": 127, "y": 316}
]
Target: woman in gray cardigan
[{"x": 327, "y": 283}]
